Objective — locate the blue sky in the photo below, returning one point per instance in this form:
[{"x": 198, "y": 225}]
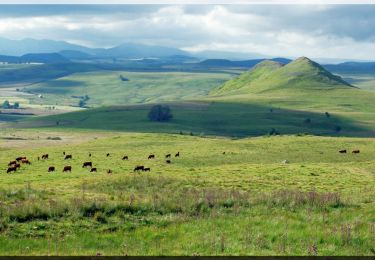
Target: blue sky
[{"x": 317, "y": 31}]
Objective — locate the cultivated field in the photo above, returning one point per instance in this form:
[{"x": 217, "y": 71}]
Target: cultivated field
[{"x": 244, "y": 202}]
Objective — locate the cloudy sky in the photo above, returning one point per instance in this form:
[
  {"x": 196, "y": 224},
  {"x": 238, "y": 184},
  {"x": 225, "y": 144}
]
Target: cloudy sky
[{"x": 316, "y": 31}]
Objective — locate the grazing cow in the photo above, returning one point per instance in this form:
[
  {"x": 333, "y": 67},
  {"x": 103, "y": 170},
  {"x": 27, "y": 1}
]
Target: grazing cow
[
  {"x": 67, "y": 169},
  {"x": 108, "y": 154},
  {"x": 45, "y": 156},
  {"x": 93, "y": 170},
  {"x": 355, "y": 151},
  {"x": 342, "y": 151},
  {"x": 139, "y": 168},
  {"x": 168, "y": 161},
  {"x": 85, "y": 164},
  {"x": 11, "y": 169},
  {"x": 17, "y": 165},
  {"x": 151, "y": 156},
  {"x": 68, "y": 156},
  {"x": 25, "y": 161},
  {"x": 125, "y": 157},
  {"x": 177, "y": 154},
  {"x": 12, "y": 162},
  {"x": 146, "y": 169},
  {"x": 20, "y": 158},
  {"x": 51, "y": 169},
  {"x": 168, "y": 156}
]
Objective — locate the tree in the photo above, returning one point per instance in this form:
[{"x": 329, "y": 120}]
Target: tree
[
  {"x": 16, "y": 105},
  {"x": 160, "y": 113},
  {"x": 6, "y": 104}
]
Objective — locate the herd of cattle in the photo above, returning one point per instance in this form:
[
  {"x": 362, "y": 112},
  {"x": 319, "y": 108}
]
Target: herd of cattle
[{"x": 16, "y": 164}]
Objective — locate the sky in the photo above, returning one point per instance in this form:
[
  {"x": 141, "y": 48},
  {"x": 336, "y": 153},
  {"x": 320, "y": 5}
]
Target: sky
[{"x": 317, "y": 31}]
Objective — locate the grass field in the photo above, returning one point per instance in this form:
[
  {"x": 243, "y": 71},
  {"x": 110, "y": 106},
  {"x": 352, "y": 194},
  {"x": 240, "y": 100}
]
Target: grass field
[
  {"x": 106, "y": 87},
  {"x": 245, "y": 201}
]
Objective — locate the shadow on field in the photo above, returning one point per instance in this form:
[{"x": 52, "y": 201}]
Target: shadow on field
[{"x": 206, "y": 118}]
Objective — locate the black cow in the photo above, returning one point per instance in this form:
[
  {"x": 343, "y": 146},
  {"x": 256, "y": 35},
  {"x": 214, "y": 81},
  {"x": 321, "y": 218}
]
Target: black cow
[
  {"x": 342, "y": 151},
  {"x": 168, "y": 161},
  {"x": 12, "y": 163},
  {"x": 12, "y": 169},
  {"x": 85, "y": 164},
  {"x": 67, "y": 169},
  {"x": 45, "y": 156},
  {"x": 151, "y": 156},
  {"x": 356, "y": 151},
  {"x": 125, "y": 157},
  {"x": 177, "y": 154},
  {"x": 139, "y": 168},
  {"x": 93, "y": 170},
  {"x": 146, "y": 169},
  {"x": 51, "y": 169},
  {"x": 168, "y": 156},
  {"x": 68, "y": 156}
]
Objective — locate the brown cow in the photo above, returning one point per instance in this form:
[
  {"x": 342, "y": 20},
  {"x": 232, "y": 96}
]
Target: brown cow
[
  {"x": 25, "y": 161},
  {"x": 139, "y": 168},
  {"x": 151, "y": 156},
  {"x": 168, "y": 156},
  {"x": 355, "y": 151},
  {"x": 67, "y": 169},
  {"x": 177, "y": 154},
  {"x": 20, "y": 158},
  {"x": 85, "y": 164},
  {"x": 93, "y": 170},
  {"x": 68, "y": 156},
  {"x": 125, "y": 157},
  {"x": 17, "y": 165},
  {"x": 12, "y": 169},
  {"x": 168, "y": 161},
  {"x": 146, "y": 169},
  {"x": 12, "y": 162},
  {"x": 342, "y": 151},
  {"x": 45, "y": 156},
  {"x": 51, "y": 169}
]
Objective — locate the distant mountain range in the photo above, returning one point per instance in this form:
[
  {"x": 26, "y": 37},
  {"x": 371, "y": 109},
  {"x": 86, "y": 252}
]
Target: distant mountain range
[
  {"x": 50, "y": 51},
  {"x": 126, "y": 50},
  {"x": 46, "y": 58}
]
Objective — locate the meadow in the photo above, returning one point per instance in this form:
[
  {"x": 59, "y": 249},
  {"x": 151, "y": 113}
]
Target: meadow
[
  {"x": 105, "y": 88},
  {"x": 245, "y": 201}
]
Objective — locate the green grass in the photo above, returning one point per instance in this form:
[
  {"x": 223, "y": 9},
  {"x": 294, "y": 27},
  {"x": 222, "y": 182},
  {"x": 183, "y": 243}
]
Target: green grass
[
  {"x": 243, "y": 202},
  {"x": 106, "y": 88},
  {"x": 206, "y": 118}
]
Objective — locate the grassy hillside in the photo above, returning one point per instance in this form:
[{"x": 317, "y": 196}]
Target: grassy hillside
[
  {"x": 321, "y": 203},
  {"x": 205, "y": 118},
  {"x": 301, "y": 74},
  {"x": 107, "y": 88}
]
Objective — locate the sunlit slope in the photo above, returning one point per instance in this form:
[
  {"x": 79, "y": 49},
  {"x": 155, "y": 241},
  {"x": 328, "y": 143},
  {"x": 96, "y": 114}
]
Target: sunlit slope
[{"x": 302, "y": 74}]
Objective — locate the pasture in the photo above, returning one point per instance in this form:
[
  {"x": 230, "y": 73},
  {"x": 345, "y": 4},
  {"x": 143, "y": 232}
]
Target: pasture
[
  {"x": 245, "y": 201},
  {"x": 106, "y": 88}
]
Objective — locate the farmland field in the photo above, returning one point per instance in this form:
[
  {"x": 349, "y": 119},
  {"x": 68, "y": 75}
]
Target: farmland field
[{"x": 247, "y": 201}]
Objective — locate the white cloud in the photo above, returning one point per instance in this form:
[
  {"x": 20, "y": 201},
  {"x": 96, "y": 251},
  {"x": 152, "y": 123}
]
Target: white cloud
[{"x": 315, "y": 31}]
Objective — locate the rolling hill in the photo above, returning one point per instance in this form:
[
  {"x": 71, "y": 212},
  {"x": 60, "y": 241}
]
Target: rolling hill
[{"x": 300, "y": 74}]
